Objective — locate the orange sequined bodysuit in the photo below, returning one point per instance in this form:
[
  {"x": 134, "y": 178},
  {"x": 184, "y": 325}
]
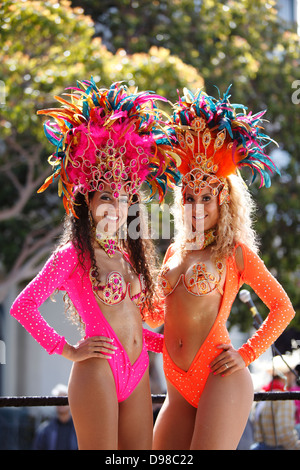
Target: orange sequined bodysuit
[{"x": 199, "y": 281}]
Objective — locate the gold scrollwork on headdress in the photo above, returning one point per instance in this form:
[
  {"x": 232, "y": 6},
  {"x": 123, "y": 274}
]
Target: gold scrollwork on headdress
[
  {"x": 220, "y": 139},
  {"x": 202, "y": 166}
]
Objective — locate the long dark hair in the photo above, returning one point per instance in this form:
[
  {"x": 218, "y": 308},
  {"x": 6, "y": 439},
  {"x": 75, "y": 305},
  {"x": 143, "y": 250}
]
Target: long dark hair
[{"x": 141, "y": 251}]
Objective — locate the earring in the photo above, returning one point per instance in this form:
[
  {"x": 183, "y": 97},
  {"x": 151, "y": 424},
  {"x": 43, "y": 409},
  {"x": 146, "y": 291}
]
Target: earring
[
  {"x": 91, "y": 220},
  {"x": 224, "y": 195}
]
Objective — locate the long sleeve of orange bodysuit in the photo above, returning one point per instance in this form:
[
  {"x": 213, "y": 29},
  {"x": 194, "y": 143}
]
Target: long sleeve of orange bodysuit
[{"x": 269, "y": 290}]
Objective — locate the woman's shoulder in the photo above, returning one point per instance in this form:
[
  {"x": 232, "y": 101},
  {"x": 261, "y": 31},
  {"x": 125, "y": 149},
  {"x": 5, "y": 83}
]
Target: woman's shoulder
[
  {"x": 66, "y": 252},
  {"x": 246, "y": 248},
  {"x": 243, "y": 254}
]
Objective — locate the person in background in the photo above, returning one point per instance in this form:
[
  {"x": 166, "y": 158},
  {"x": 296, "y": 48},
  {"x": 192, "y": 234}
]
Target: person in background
[
  {"x": 274, "y": 421},
  {"x": 59, "y": 432},
  {"x": 288, "y": 366},
  {"x": 294, "y": 386},
  {"x": 292, "y": 374}
]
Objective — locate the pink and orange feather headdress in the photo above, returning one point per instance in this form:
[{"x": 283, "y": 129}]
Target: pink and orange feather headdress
[{"x": 108, "y": 136}]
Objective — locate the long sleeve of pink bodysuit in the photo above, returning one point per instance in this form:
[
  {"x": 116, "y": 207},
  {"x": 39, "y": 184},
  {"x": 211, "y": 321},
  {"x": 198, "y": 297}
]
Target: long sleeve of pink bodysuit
[
  {"x": 269, "y": 290},
  {"x": 25, "y": 308},
  {"x": 153, "y": 340}
]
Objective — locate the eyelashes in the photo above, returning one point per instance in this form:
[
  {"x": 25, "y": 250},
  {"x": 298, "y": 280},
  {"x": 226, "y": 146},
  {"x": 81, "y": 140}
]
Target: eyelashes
[
  {"x": 204, "y": 199},
  {"x": 108, "y": 198}
]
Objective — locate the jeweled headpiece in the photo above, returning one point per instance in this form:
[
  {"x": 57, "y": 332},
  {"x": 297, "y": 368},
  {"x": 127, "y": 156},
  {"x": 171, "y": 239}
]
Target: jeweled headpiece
[
  {"x": 108, "y": 136},
  {"x": 215, "y": 141}
]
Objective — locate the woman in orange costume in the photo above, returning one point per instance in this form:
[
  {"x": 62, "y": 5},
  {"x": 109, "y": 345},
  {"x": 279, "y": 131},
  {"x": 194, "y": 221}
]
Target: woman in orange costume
[{"x": 209, "y": 388}]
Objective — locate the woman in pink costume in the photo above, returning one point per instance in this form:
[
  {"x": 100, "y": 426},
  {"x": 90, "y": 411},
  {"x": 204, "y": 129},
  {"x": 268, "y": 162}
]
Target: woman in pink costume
[
  {"x": 210, "y": 391},
  {"x": 108, "y": 142}
]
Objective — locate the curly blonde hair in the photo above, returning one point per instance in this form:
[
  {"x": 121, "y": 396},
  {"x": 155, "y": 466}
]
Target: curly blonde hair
[{"x": 235, "y": 225}]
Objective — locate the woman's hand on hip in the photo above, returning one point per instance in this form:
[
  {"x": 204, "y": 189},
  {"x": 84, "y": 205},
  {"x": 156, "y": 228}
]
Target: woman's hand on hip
[
  {"x": 227, "y": 362},
  {"x": 95, "y": 346}
]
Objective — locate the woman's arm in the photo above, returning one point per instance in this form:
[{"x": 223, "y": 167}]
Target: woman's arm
[
  {"x": 255, "y": 274},
  {"x": 54, "y": 274},
  {"x": 153, "y": 340},
  {"x": 25, "y": 308},
  {"x": 268, "y": 289}
]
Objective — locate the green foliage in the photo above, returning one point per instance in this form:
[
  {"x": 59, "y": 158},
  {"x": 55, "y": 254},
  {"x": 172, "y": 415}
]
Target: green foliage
[{"x": 46, "y": 46}]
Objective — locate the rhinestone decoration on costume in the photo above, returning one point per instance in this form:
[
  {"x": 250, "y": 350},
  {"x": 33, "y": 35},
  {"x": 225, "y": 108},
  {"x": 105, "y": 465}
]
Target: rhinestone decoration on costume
[
  {"x": 199, "y": 282},
  {"x": 215, "y": 141},
  {"x": 112, "y": 292},
  {"x": 109, "y": 165},
  {"x": 109, "y": 136},
  {"x": 203, "y": 282},
  {"x": 108, "y": 244},
  {"x": 202, "y": 167},
  {"x": 115, "y": 289},
  {"x": 203, "y": 239}
]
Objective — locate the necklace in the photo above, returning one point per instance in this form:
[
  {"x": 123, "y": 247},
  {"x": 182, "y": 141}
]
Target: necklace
[
  {"x": 204, "y": 239},
  {"x": 208, "y": 239},
  {"x": 108, "y": 244}
]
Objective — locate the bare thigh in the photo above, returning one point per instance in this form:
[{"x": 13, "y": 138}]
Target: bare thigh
[
  {"x": 223, "y": 411},
  {"x": 136, "y": 418},
  {"x": 175, "y": 422},
  {"x": 94, "y": 405}
]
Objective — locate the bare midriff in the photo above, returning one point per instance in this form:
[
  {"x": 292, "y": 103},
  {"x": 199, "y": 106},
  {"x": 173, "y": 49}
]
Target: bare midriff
[
  {"x": 189, "y": 317},
  {"x": 188, "y": 322}
]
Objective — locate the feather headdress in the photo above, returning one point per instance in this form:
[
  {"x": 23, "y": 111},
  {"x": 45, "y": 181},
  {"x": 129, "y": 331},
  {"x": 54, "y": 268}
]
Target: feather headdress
[
  {"x": 215, "y": 141},
  {"x": 108, "y": 136}
]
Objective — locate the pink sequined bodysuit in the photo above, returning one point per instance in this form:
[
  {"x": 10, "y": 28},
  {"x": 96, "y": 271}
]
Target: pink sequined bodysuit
[{"x": 63, "y": 272}]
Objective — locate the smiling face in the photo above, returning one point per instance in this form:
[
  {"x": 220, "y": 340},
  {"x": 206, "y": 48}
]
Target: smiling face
[
  {"x": 109, "y": 213},
  {"x": 201, "y": 210}
]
